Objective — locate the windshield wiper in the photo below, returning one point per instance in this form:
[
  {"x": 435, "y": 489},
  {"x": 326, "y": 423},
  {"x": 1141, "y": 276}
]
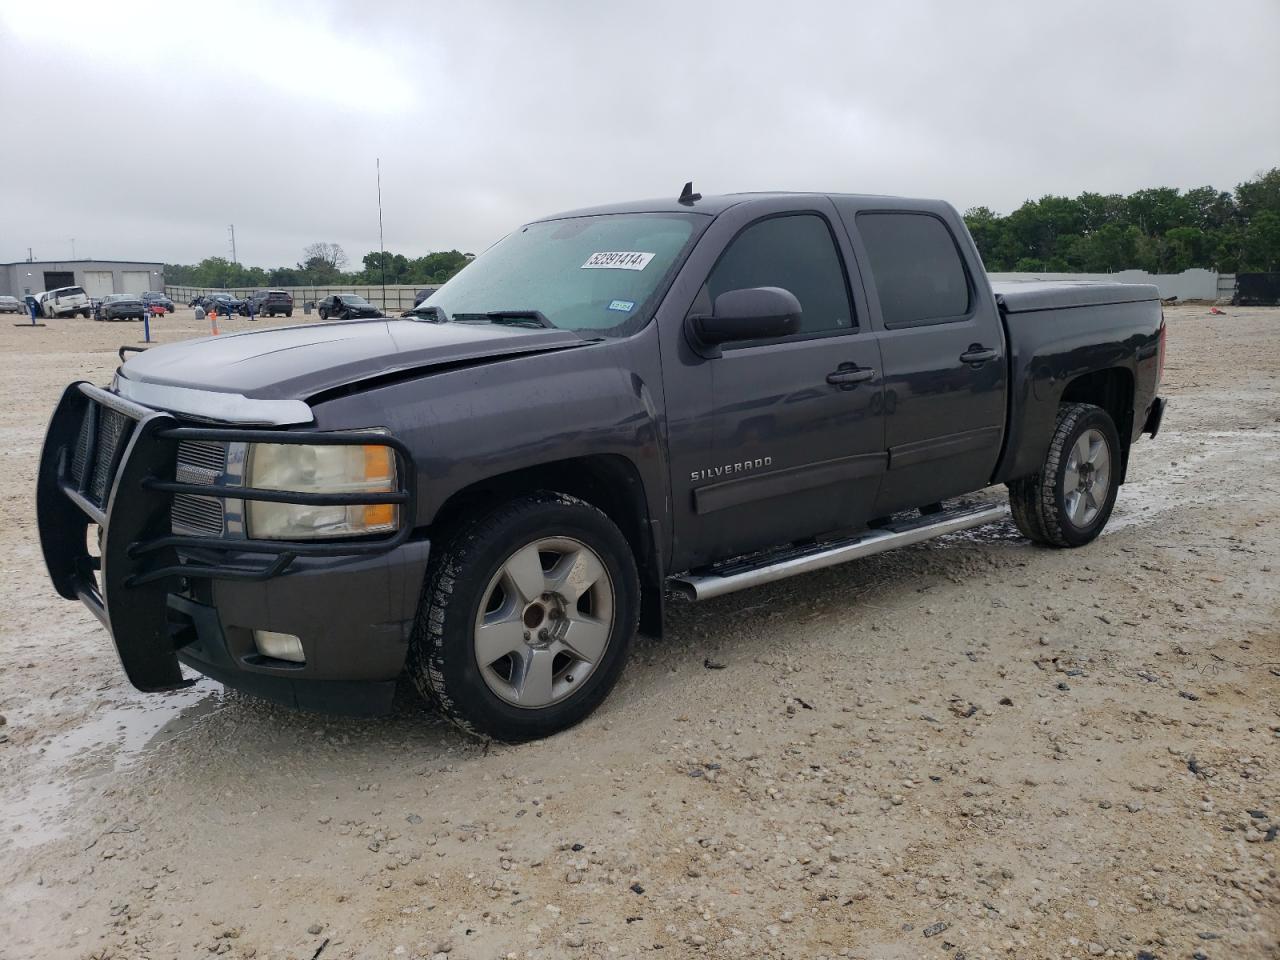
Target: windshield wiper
[{"x": 529, "y": 318}]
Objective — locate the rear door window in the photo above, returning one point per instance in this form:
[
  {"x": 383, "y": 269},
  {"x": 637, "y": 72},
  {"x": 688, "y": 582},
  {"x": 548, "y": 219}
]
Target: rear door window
[{"x": 916, "y": 266}]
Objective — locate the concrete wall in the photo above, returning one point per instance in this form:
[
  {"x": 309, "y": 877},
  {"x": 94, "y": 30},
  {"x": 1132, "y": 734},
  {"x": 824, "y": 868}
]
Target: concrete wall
[
  {"x": 1188, "y": 285},
  {"x": 19, "y": 279}
]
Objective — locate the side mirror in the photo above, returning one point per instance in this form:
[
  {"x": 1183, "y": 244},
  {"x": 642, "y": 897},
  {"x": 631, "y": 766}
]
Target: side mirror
[{"x": 754, "y": 313}]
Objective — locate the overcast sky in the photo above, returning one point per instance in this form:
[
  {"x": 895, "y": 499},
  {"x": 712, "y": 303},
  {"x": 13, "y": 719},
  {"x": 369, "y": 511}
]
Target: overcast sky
[{"x": 143, "y": 129}]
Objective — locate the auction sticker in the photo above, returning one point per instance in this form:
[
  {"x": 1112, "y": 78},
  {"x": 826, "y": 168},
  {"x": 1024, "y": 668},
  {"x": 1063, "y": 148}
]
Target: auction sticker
[
  {"x": 618, "y": 260},
  {"x": 625, "y": 306}
]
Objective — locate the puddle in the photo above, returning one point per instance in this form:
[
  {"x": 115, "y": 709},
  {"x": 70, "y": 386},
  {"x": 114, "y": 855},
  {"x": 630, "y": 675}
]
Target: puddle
[
  {"x": 108, "y": 742},
  {"x": 1142, "y": 501}
]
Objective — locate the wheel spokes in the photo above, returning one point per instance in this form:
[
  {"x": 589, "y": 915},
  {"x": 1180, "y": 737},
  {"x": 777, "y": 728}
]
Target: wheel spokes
[
  {"x": 574, "y": 575},
  {"x": 586, "y": 638},
  {"x": 524, "y": 571},
  {"x": 1080, "y": 451},
  {"x": 497, "y": 638},
  {"x": 534, "y": 678},
  {"x": 1076, "y": 507}
]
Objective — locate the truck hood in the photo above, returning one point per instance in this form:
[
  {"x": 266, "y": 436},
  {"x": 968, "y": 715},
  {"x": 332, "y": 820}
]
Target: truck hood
[{"x": 298, "y": 363}]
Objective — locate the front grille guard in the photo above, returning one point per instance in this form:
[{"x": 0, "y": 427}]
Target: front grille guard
[{"x": 139, "y": 562}]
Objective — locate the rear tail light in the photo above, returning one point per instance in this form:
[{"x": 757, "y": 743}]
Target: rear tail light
[{"x": 1160, "y": 365}]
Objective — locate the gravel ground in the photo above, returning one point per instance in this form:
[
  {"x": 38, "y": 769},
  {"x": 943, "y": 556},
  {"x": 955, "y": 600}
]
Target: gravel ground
[{"x": 970, "y": 748}]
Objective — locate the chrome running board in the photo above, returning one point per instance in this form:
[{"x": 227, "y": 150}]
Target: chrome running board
[{"x": 738, "y": 575}]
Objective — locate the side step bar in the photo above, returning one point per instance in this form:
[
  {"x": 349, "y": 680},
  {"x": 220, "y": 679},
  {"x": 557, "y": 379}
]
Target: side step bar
[{"x": 715, "y": 582}]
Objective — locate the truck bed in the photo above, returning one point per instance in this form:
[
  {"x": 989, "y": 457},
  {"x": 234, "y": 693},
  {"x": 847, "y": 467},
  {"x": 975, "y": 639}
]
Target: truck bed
[{"x": 1026, "y": 296}]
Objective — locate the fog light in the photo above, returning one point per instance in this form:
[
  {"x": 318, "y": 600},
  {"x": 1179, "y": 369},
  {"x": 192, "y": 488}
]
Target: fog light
[{"x": 281, "y": 646}]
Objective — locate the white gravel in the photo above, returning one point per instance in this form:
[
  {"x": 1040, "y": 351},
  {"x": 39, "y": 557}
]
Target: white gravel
[{"x": 1114, "y": 790}]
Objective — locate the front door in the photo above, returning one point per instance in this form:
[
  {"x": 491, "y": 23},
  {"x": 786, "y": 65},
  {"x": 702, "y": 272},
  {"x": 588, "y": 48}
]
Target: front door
[{"x": 783, "y": 439}]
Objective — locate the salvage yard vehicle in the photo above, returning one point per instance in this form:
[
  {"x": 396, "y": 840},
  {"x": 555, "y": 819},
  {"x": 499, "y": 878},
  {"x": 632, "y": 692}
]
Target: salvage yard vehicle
[
  {"x": 153, "y": 298},
  {"x": 268, "y": 303},
  {"x": 65, "y": 302},
  {"x": 346, "y": 306},
  {"x": 119, "y": 306},
  {"x": 10, "y": 305},
  {"x": 688, "y": 397}
]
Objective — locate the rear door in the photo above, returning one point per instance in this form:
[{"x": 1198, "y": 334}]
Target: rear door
[
  {"x": 773, "y": 441},
  {"x": 942, "y": 348}
]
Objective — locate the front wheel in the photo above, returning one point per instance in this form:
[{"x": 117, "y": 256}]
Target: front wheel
[
  {"x": 527, "y": 618},
  {"x": 324, "y": 314},
  {"x": 1068, "y": 502}
]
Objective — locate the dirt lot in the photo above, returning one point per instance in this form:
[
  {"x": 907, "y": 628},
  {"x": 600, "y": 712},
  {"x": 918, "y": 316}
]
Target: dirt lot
[{"x": 967, "y": 749}]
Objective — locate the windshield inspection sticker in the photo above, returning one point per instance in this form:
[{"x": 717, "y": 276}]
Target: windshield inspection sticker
[
  {"x": 618, "y": 260},
  {"x": 626, "y": 306}
]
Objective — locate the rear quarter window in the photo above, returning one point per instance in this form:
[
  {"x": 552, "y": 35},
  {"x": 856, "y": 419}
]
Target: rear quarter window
[{"x": 916, "y": 266}]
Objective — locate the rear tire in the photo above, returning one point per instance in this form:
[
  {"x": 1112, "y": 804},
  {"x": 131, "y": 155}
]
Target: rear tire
[
  {"x": 1068, "y": 502},
  {"x": 527, "y": 618}
]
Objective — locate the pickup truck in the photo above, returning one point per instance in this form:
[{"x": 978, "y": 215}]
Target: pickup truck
[{"x": 610, "y": 407}]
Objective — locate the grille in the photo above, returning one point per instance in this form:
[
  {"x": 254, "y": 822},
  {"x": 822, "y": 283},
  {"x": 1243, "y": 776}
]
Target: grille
[
  {"x": 106, "y": 432},
  {"x": 113, "y": 430},
  {"x": 199, "y": 461}
]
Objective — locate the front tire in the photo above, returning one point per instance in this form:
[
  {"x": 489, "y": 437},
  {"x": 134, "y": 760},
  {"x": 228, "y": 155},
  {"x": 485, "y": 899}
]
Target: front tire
[
  {"x": 1069, "y": 501},
  {"x": 527, "y": 618}
]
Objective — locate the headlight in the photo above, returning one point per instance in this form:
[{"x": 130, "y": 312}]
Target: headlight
[{"x": 320, "y": 468}]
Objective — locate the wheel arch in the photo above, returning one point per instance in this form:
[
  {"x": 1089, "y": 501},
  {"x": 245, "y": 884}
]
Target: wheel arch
[
  {"x": 1112, "y": 389},
  {"x": 610, "y": 482}
]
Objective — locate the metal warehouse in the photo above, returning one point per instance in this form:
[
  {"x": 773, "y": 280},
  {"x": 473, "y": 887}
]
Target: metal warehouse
[{"x": 98, "y": 277}]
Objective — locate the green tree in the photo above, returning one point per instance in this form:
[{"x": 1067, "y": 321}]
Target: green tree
[{"x": 1260, "y": 249}]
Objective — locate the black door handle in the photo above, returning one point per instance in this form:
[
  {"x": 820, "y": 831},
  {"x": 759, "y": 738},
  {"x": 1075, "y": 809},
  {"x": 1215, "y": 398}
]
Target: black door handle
[
  {"x": 977, "y": 353},
  {"x": 850, "y": 374}
]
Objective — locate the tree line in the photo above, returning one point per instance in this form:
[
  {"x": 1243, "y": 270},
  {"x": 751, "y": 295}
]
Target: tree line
[
  {"x": 1160, "y": 230},
  {"x": 322, "y": 264}
]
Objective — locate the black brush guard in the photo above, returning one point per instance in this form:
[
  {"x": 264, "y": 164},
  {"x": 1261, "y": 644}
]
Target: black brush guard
[{"x": 117, "y": 470}]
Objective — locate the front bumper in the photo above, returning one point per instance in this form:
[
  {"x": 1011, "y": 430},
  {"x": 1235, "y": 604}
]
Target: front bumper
[
  {"x": 353, "y": 616},
  {"x": 166, "y": 597}
]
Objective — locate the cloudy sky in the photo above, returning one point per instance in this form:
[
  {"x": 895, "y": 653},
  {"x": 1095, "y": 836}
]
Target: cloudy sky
[{"x": 142, "y": 129}]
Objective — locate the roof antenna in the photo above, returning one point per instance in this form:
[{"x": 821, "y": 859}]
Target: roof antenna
[{"x": 687, "y": 196}]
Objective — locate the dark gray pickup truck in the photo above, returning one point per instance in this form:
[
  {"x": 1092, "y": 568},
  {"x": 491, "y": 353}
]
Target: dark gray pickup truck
[{"x": 609, "y": 407}]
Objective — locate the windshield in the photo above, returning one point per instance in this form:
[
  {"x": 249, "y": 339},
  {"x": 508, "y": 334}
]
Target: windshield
[
  {"x": 594, "y": 274},
  {"x": 354, "y": 301}
]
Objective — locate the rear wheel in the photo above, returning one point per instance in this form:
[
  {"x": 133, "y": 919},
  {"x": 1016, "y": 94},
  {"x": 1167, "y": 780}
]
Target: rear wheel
[
  {"x": 527, "y": 618},
  {"x": 1068, "y": 502}
]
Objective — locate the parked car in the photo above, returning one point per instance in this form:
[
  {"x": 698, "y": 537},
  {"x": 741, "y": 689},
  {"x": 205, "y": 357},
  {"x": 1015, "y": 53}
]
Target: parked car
[
  {"x": 269, "y": 303},
  {"x": 423, "y": 294},
  {"x": 688, "y": 396},
  {"x": 346, "y": 306},
  {"x": 120, "y": 306},
  {"x": 65, "y": 302},
  {"x": 11, "y": 305},
  {"x": 154, "y": 299},
  {"x": 225, "y": 303}
]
